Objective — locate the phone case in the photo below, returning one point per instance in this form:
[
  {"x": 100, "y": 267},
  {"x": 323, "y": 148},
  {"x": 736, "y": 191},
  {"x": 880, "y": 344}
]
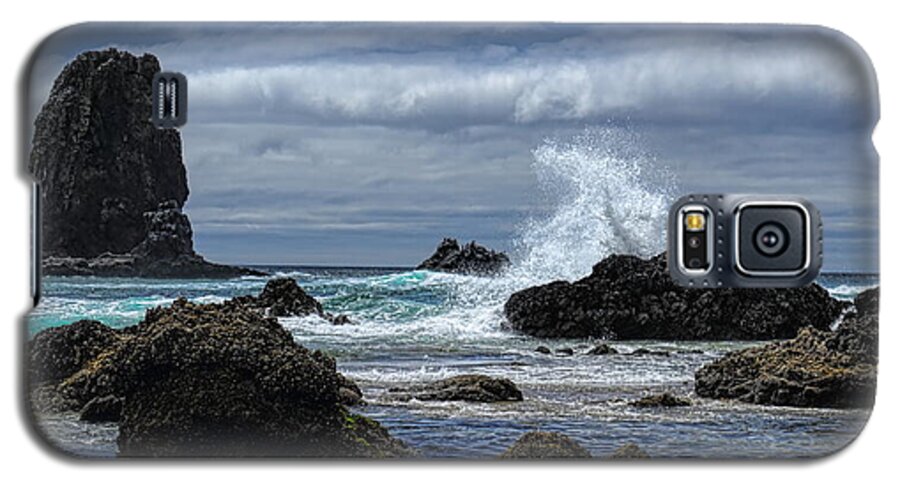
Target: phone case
[{"x": 379, "y": 240}]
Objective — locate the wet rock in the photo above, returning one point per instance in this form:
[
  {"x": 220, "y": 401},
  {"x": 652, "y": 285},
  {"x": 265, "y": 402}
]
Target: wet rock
[
  {"x": 565, "y": 351},
  {"x": 542, "y": 350},
  {"x": 661, "y": 400},
  {"x": 835, "y": 369},
  {"x": 102, "y": 409},
  {"x": 112, "y": 184},
  {"x": 469, "y": 388},
  {"x": 602, "y": 349},
  {"x": 470, "y": 258},
  {"x": 282, "y": 297},
  {"x": 545, "y": 445},
  {"x": 57, "y": 353},
  {"x": 648, "y": 352},
  {"x": 629, "y": 451},
  {"x": 223, "y": 380},
  {"x": 627, "y": 297}
]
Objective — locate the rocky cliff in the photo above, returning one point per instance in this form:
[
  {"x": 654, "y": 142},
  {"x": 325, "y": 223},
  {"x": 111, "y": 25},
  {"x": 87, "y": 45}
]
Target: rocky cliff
[{"x": 112, "y": 185}]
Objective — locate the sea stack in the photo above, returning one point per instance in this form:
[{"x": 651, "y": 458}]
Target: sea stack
[{"x": 112, "y": 185}]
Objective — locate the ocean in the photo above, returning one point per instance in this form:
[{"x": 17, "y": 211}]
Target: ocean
[{"x": 418, "y": 326}]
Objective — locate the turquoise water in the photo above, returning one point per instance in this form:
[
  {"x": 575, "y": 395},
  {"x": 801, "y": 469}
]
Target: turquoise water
[{"x": 417, "y": 326}]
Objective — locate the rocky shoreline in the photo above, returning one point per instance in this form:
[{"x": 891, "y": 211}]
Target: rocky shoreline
[
  {"x": 206, "y": 380},
  {"x": 818, "y": 368}
]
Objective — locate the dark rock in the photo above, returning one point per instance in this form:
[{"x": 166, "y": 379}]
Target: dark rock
[
  {"x": 545, "y": 445},
  {"x": 469, "y": 388},
  {"x": 661, "y": 400},
  {"x": 112, "y": 184},
  {"x": 542, "y": 350},
  {"x": 629, "y": 451},
  {"x": 282, "y": 297},
  {"x": 835, "y": 369},
  {"x": 626, "y": 297},
  {"x": 57, "y": 353},
  {"x": 866, "y": 303},
  {"x": 602, "y": 349},
  {"x": 648, "y": 352},
  {"x": 223, "y": 380},
  {"x": 102, "y": 409},
  {"x": 468, "y": 259}
]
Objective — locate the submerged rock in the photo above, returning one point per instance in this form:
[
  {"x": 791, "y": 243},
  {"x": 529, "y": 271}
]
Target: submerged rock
[
  {"x": 661, "y": 400},
  {"x": 469, "y": 388},
  {"x": 545, "y": 445},
  {"x": 470, "y": 258},
  {"x": 222, "y": 380},
  {"x": 629, "y": 451},
  {"x": 112, "y": 184},
  {"x": 818, "y": 368},
  {"x": 626, "y": 297}
]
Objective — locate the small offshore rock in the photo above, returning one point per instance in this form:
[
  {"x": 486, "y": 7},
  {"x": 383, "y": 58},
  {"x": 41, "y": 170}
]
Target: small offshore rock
[
  {"x": 661, "y": 400},
  {"x": 545, "y": 445},
  {"x": 542, "y": 350},
  {"x": 469, "y": 388},
  {"x": 470, "y": 258},
  {"x": 648, "y": 352},
  {"x": 602, "y": 349}
]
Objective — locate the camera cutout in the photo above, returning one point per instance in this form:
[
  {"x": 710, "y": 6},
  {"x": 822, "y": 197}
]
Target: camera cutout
[{"x": 744, "y": 241}]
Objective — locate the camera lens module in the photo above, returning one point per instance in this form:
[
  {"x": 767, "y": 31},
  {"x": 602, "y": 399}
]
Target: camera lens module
[
  {"x": 740, "y": 240},
  {"x": 771, "y": 239}
]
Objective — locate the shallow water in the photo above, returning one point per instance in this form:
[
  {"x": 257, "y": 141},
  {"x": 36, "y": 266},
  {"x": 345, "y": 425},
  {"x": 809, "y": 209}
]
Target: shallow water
[{"x": 415, "y": 326}]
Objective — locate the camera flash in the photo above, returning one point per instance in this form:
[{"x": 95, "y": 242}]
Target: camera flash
[{"x": 694, "y": 221}]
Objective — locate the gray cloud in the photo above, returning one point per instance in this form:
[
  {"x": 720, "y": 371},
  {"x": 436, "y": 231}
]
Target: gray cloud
[{"x": 365, "y": 143}]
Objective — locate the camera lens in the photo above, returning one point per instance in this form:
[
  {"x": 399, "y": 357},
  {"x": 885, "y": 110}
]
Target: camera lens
[
  {"x": 770, "y": 239},
  {"x": 694, "y": 242}
]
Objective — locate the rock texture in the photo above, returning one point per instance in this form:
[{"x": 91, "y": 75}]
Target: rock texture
[
  {"x": 818, "y": 368},
  {"x": 545, "y": 445},
  {"x": 112, "y": 184},
  {"x": 629, "y": 451},
  {"x": 470, "y": 258},
  {"x": 469, "y": 388},
  {"x": 213, "y": 379},
  {"x": 627, "y": 297},
  {"x": 282, "y": 297},
  {"x": 57, "y": 353},
  {"x": 661, "y": 400}
]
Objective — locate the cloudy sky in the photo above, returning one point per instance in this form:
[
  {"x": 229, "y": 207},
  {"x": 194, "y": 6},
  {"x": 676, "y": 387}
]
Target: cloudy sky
[{"x": 364, "y": 144}]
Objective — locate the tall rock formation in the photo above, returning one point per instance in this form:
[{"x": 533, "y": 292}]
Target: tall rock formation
[{"x": 112, "y": 184}]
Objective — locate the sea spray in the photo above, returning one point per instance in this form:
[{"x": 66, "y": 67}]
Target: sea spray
[
  {"x": 606, "y": 195},
  {"x": 603, "y": 194}
]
